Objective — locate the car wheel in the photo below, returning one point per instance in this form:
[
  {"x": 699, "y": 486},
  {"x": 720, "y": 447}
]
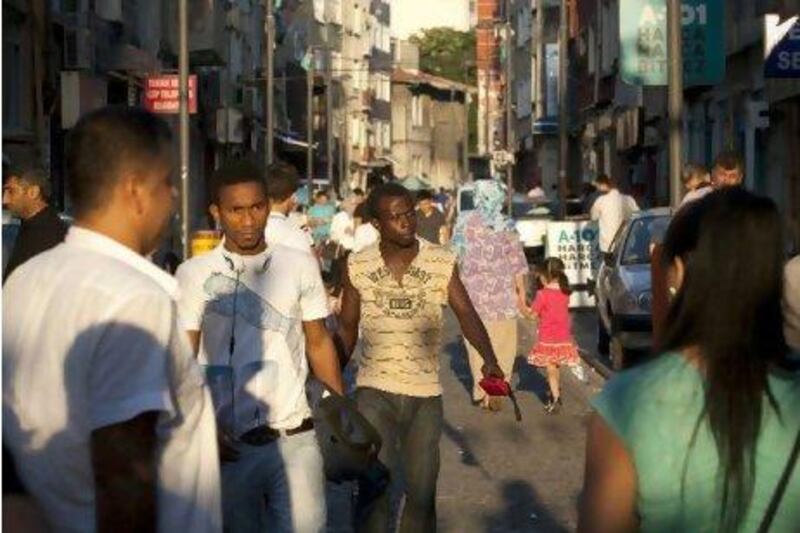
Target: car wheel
[{"x": 603, "y": 338}]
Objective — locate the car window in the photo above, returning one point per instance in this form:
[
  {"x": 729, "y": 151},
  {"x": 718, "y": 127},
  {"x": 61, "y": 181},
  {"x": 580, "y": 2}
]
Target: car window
[
  {"x": 642, "y": 233},
  {"x": 618, "y": 238}
]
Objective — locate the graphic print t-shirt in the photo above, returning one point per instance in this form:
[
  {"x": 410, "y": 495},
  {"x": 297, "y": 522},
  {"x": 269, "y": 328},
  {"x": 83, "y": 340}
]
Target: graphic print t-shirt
[
  {"x": 401, "y": 323},
  {"x": 262, "y": 380}
]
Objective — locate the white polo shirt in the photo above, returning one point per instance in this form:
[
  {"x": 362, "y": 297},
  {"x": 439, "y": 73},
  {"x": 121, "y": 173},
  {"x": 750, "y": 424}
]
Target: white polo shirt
[
  {"x": 91, "y": 339},
  {"x": 262, "y": 381},
  {"x": 281, "y": 231},
  {"x": 612, "y": 209}
]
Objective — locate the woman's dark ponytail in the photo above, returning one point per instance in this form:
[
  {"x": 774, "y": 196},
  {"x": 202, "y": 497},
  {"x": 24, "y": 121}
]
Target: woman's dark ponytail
[
  {"x": 563, "y": 283},
  {"x": 553, "y": 269}
]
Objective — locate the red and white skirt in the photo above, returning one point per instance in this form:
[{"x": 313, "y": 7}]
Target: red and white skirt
[{"x": 554, "y": 353}]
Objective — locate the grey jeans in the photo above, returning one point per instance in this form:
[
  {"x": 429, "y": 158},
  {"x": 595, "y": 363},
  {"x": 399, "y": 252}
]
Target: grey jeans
[
  {"x": 277, "y": 487},
  {"x": 410, "y": 428}
]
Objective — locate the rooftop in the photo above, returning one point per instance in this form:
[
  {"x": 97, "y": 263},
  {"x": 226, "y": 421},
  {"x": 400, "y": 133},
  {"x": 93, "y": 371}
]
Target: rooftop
[{"x": 400, "y": 75}]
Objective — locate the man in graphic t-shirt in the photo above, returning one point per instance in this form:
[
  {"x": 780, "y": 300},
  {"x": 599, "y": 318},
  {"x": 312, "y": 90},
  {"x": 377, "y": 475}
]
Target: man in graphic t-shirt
[
  {"x": 255, "y": 315},
  {"x": 395, "y": 290}
]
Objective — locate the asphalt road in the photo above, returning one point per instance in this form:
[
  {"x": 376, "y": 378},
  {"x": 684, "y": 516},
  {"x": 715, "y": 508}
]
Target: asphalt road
[{"x": 498, "y": 475}]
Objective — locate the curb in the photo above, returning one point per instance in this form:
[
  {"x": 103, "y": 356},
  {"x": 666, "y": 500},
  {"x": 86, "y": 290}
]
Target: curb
[{"x": 596, "y": 363}]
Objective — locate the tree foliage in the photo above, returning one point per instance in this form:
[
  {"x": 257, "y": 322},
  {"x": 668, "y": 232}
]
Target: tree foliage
[{"x": 448, "y": 53}]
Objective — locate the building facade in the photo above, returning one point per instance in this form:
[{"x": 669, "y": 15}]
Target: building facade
[{"x": 429, "y": 125}]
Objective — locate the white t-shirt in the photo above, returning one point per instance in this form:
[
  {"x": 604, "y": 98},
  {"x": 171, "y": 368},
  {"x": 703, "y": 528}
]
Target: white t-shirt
[
  {"x": 366, "y": 235},
  {"x": 612, "y": 210},
  {"x": 342, "y": 230},
  {"x": 281, "y": 231},
  {"x": 91, "y": 339},
  {"x": 277, "y": 291},
  {"x": 697, "y": 194}
]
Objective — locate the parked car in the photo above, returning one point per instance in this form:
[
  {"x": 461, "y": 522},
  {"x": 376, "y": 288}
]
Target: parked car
[
  {"x": 530, "y": 219},
  {"x": 624, "y": 289}
]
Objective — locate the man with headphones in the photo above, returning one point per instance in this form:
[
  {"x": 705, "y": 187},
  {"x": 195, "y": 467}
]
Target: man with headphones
[{"x": 255, "y": 315}]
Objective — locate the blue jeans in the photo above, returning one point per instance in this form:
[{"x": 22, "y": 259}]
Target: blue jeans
[
  {"x": 410, "y": 428},
  {"x": 279, "y": 487}
]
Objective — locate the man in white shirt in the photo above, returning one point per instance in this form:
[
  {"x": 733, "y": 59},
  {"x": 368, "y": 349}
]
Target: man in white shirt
[
  {"x": 612, "y": 209},
  {"x": 256, "y": 317},
  {"x": 343, "y": 224},
  {"x": 282, "y": 184},
  {"x": 105, "y": 409}
]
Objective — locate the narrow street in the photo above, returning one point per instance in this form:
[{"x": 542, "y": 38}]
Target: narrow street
[{"x": 498, "y": 475}]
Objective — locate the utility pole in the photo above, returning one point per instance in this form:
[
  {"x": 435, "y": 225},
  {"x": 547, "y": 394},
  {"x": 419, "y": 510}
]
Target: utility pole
[
  {"x": 268, "y": 62},
  {"x": 344, "y": 182},
  {"x": 183, "y": 77},
  {"x": 310, "y": 122},
  {"x": 675, "y": 98},
  {"x": 509, "y": 110},
  {"x": 563, "y": 141},
  {"x": 328, "y": 116},
  {"x": 38, "y": 35},
  {"x": 539, "y": 77},
  {"x": 465, "y": 154}
]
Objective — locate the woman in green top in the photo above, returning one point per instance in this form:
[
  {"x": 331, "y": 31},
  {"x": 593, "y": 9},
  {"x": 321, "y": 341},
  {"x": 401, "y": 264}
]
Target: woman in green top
[{"x": 698, "y": 439}]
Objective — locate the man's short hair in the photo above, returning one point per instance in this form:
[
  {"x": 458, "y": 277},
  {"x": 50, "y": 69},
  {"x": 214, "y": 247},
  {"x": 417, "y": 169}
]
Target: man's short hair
[
  {"x": 358, "y": 191},
  {"x": 282, "y": 181},
  {"x": 321, "y": 193},
  {"x": 424, "y": 194},
  {"x": 391, "y": 189},
  {"x": 32, "y": 175},
  {"x": 694, "y": 171},
  {"x": 104, "y": 143},
  {"x": 235, "y": 172},
  {"x": 605, "y": 180},
  {"x": 729, "y": 160}
]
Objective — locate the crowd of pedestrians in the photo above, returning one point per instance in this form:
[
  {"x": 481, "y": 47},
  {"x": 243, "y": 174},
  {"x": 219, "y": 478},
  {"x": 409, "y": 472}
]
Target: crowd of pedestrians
[{"x": 138, "y": 401}]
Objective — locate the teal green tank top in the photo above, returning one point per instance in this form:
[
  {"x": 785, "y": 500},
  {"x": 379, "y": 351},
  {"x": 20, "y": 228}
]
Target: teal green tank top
[{"x": 654, "y": 410}]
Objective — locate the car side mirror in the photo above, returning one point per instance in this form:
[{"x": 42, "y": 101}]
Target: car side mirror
[{"x": 609, "y": 259}]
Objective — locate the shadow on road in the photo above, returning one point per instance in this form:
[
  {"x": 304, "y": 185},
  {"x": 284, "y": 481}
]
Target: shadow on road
[
  {"x": 531, "y": 380},
  {"x": 459, "y": 364},
  {"x": 522, "y": 511},
  {"x": 468, "y": 456}
]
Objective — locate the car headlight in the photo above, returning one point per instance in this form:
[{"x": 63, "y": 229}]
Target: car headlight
[
  {"x": 645, "y": 301},
  {"x": 627, "y": 304},
  {"x": 634, "y": 304}
]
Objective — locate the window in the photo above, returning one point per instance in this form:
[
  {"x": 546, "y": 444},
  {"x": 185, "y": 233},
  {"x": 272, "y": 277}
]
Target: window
[
  {"x": 524, "y": 23},
  {"x": 416, "y": 111},
  {"x": 387, "y": 135}
]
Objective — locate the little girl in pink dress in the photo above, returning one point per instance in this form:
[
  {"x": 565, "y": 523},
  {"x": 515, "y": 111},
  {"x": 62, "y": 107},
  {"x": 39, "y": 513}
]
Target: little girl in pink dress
[{"x": 555, "y": 345}]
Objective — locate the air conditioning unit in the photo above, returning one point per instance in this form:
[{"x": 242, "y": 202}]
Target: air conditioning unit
[
  {"x": 233, "y": 19},
  {"x": 230, "y": 126},
  {"x": 78, "y": 49},
  {"x": 110, "y": 10}
]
